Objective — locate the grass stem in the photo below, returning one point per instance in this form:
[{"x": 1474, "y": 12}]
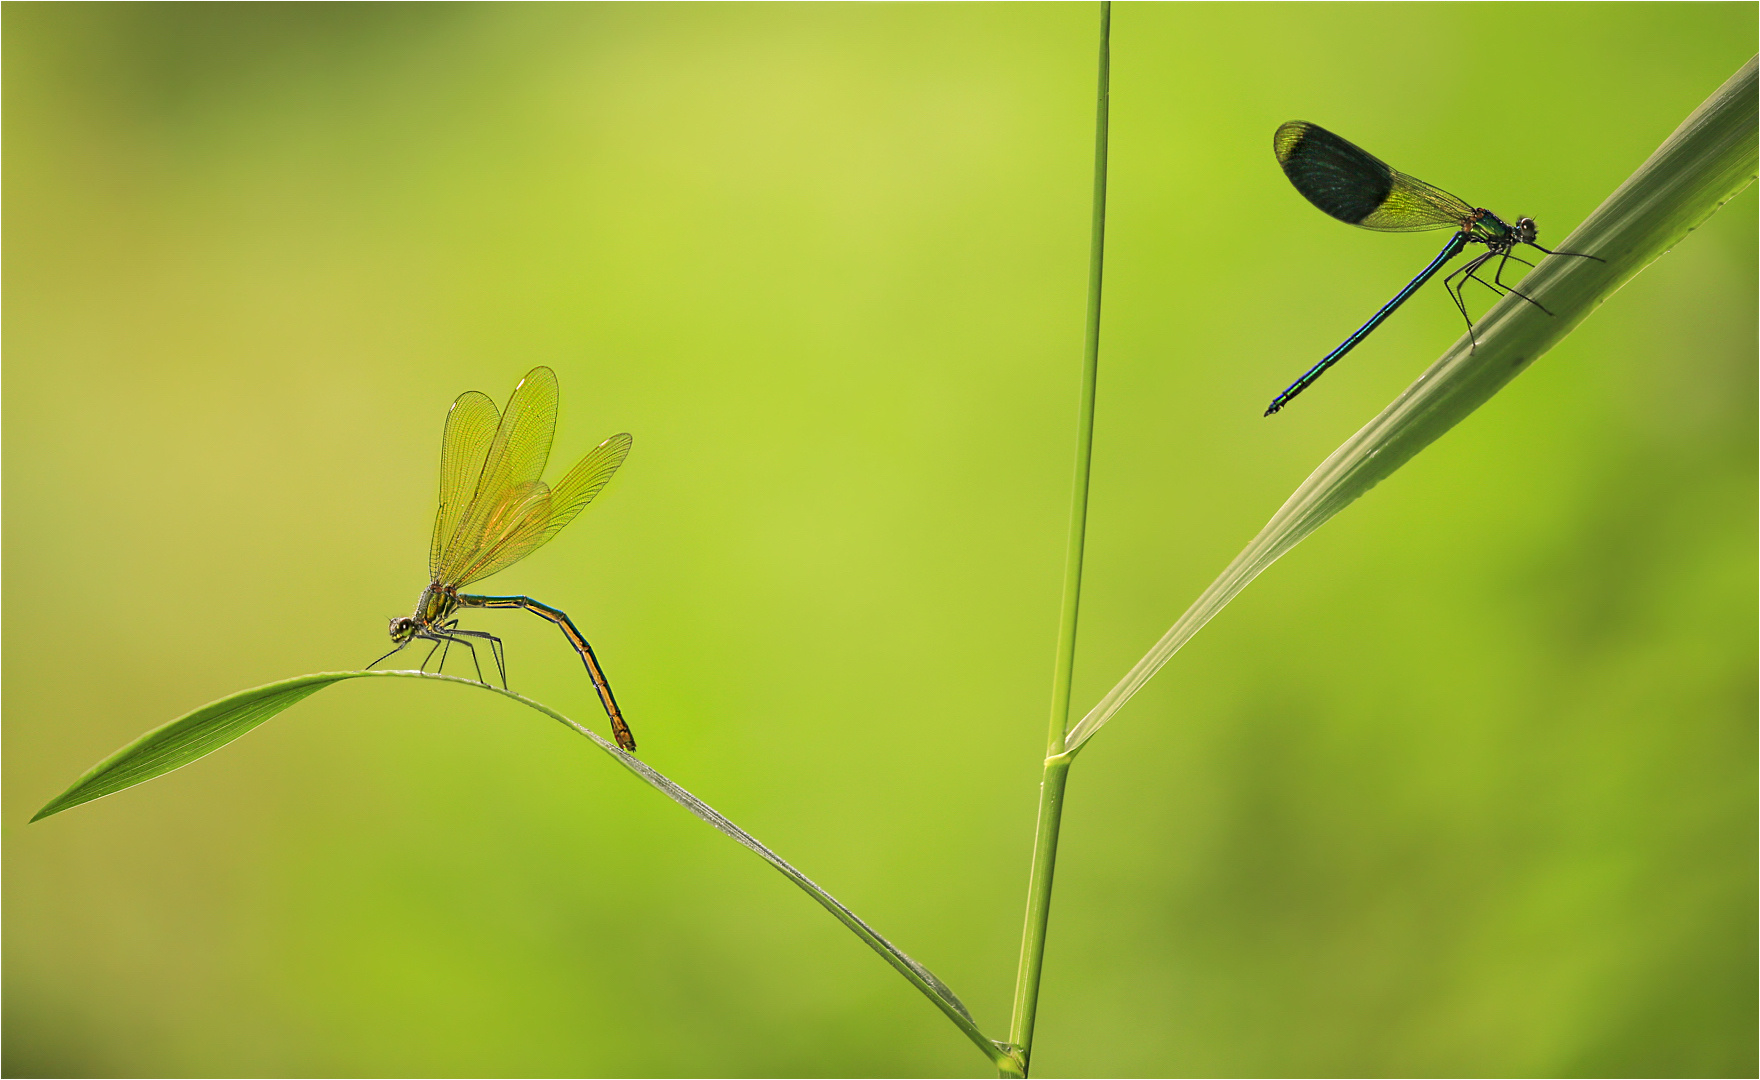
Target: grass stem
[{"x": 1051, "y": 787}]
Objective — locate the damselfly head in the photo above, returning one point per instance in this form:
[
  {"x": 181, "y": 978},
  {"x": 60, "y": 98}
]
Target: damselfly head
[
  {"x": 1526, "y": 230},
  {"x": 402, "y": 629}
]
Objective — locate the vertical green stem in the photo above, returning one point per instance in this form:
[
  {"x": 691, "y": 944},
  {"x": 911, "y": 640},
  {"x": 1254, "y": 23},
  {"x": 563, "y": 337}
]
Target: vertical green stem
[
  {"x": 1057, "y": 762},
  {"x": 1026, "y": 985}
]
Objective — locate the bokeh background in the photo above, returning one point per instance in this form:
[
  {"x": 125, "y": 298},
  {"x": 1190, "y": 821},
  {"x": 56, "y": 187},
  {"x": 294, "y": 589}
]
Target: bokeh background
[{"x": 1463, "y": 786}]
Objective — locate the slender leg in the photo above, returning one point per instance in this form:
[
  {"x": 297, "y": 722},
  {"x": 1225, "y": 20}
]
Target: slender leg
[
  {"x": 1499, "y": 276},
  {"x": 1529, "y": 299},
  {"x": 1448, "y": 286},
  {"x": 1466, "y": 269},
  {"x": 495, "y": 650},
  {"x": 1576, "y": 254},
  {"x": 441, "y": 634},
  {"x": 544, "y": 611},
  {"x": 1499, "y": 288},
  {"x": 1496, "y": 291},
  {"x": 387, "y": 656},
  {"x": 1472, "y": 274},
  {"x": 1461, "y": 306},
  {"x": 1454, "y": 292}
]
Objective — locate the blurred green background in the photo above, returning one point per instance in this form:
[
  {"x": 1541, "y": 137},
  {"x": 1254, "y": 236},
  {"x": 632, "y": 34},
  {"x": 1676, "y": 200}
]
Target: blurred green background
[{"x": 1464, "y": 786}]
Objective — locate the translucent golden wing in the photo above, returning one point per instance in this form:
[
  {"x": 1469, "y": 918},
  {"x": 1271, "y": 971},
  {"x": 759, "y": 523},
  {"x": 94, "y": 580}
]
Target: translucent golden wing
[
  {"x": 573, "y": 492},
  {"x": 512, "y": 529},
  {"x": 470, "y": 428},
  {"x": 515, "y": 459}
]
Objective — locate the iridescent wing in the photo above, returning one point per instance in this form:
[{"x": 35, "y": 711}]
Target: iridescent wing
[
  {"x": 529, "y": 515},
  {"x": 470, "y": 428},
  {"x": 501, "y": 500},
  {"x": 572, "y": 494},
  {"x": 1356, "y": 187},
  {"x": 513, "y": 529}
]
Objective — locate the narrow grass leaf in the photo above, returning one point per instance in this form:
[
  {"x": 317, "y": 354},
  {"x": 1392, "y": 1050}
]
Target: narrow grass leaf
[
  {"x": 212, "y": 726},
  {"x": 1709, "y": 159},
  {"x": 915, "y": 973},
  {"x": 187, "y": 738}
]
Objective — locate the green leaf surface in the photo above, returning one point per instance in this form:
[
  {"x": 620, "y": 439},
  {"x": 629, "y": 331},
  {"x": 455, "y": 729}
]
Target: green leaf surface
[
  {"x": 1708, "y": 160},
  {"x": 212, "y": 726},
  {"x": 187, "y": 738}
]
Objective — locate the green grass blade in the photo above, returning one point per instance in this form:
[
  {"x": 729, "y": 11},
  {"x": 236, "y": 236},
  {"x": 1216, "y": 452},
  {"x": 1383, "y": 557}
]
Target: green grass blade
[
  {"x": 187, "y": 738},
  {"x": 915, "y": 973},
  {"x": 212, "y": 726},
  {"x": 918, "y": 975},
  {"x": 1708, "y": 160}
]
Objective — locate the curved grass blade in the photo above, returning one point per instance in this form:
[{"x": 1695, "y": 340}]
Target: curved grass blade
[
  {"x": 918, "y": 975},
  {"x": 1708, "y": 160},
  {"x": 212, "y": 726},
  {"x": 187, "y": 738}
]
